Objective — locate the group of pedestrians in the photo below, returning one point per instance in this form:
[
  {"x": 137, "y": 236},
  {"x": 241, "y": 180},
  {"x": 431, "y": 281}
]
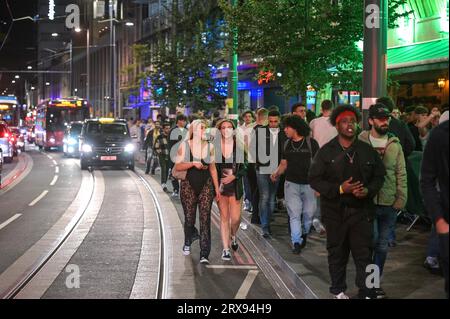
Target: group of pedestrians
[{"x": 331, "y": 175}]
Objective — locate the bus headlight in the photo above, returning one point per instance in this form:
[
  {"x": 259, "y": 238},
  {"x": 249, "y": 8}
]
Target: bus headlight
[
  {"x": 129, "y": 148},
  {"x": 72, "y": 141},
  {"x": 52, "y": 140},
  {"x": 86, "y": 148}
]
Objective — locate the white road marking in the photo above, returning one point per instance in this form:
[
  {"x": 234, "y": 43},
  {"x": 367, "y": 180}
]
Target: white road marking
[
  {"x": 55, "y": 179},
  {"x": 44, "y": 193},
  {"x": 247, "y": 284},
  {"x": 80, "y": 207},
  {"x": 49, "y": 157},
  {"x": 9, "y": 221},
  {"x": 55, "y": 162},
  {"x": 245, "y": 267},
  {"x": 57, "y": 170}
]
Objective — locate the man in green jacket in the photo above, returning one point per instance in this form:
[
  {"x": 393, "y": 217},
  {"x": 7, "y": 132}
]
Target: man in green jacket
[{"x": 393, "y": 195}]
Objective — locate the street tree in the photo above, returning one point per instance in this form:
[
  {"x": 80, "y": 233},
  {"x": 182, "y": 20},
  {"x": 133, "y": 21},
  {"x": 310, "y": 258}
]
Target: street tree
[
  {"x": 307, "y": 42},
  {"x": 180, "y": 63}
]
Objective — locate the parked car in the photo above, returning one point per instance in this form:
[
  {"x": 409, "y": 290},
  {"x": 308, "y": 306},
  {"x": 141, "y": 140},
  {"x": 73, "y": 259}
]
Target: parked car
[{"x": 6, "y": 143}]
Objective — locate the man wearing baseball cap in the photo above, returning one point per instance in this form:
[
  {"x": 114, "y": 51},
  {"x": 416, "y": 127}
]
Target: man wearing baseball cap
[
  {"x": 348, "y": 174},
  {"x": 393, "y": 195}
]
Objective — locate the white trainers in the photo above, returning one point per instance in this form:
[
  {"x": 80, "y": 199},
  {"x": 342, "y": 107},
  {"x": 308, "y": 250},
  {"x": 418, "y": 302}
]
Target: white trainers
[
  {"x": 186, "y": 250},
  {"x": 341, "y": 296}
]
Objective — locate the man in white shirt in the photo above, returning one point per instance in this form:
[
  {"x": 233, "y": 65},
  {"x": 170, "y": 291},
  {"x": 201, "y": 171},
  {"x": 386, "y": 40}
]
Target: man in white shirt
[{"x": 321, "y": 129}]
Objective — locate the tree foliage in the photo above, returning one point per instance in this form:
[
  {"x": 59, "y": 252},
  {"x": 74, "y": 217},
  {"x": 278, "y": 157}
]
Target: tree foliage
[
  {"x": 181, "y": 62},
  {"x": 307, "y": 41}
]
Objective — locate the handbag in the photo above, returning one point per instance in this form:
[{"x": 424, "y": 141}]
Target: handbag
[{"x": 179, "y": 175}]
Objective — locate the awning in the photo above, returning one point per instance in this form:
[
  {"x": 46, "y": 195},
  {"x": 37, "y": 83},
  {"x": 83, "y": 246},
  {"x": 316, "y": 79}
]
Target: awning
[{"x": 419, "y": 54}]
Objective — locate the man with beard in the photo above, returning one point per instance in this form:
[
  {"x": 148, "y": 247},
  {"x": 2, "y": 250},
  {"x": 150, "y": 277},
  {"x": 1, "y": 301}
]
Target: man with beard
[
  {"x": 348, "y": 174},
  {"x": 393, "y": 195}
]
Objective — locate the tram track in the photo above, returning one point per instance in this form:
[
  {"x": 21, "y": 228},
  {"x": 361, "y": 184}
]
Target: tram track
[
  {"x": 163, "y": 269},
  {"x": 20, "y": 284},
  {"x": 26, "y": 277}
]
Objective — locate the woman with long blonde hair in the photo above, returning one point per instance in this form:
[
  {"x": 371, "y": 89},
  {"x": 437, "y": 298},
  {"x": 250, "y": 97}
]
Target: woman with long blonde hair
[
  {"x": 196, "y": 157},
  {"x": 231, "y": 167}
]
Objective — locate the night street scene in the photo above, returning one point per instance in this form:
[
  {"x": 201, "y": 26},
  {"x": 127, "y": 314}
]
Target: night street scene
[{"x": 226, "y": 156}]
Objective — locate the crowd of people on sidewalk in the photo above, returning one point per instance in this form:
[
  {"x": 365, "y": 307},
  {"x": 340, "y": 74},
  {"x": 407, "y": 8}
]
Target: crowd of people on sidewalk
[{"x": 326, "y": 172}]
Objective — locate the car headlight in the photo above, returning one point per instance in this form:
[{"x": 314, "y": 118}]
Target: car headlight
[
  {"x": 86, "y": 148},
  {"x": 72, "y": 141},
  {"x": 129, "y": 148}
]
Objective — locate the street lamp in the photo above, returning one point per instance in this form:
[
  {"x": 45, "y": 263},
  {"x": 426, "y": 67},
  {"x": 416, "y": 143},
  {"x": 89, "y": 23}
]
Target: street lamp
[
  {"x": 30, "y": 67},
  {"x": 55, "y": 34},
  {"x": 441, "y": 83}
]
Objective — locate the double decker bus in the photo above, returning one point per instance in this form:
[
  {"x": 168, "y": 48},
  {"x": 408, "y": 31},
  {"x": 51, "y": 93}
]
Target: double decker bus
[
  {"x": 53, "y": 116},
  {"x": 9, "y": 110}
]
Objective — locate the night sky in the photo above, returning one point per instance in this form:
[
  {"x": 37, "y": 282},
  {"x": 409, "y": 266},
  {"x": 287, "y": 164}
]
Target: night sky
[{"x": 19, "y": 50}]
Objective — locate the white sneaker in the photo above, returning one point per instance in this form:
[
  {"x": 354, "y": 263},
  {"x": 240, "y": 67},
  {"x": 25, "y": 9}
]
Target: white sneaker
[
  {"x": 341, "y": 296},
  {"x": 186, "y": 250},
  {"x": 243, "y": 226}
]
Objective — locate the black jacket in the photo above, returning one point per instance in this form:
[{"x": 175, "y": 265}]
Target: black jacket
[
  {"x": 326, "y": 175},
  {"x": 240, "y": 167},
  {"x": 402, "y": 131},
  {"x": 435, "y": 171},
  {"x": 416, "y": 136},
  {"x": 148, "y": 142},
  {"x": 270, "y": 150}
]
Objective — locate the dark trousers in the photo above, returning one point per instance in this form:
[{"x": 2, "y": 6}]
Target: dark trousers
[
  {"x": 352, "y": 233},
  {"x": 164, "y": 163},
  {"x": 443, "y": 244},
  {"x": 151, "y": 160},
  {"x": 175, "y": 182},
  {"x": 190, "y": 202},
  {"x": 253, "y": 181}
]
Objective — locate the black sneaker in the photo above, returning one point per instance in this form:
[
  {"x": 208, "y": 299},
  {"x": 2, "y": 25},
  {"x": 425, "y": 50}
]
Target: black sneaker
[
  {"x": 204, "y": 261},
  {"x": 234, "y": 244},
  {"x": 297, "y": 249},
  {"x": 392, "y": 244},
  {"x": 303, "y": 245},
  {"x": 380, "y": 293},
  {"x": 266, "y": 235},
  {"x": 367, "y": 294},
  {"x": 226, "y": 255}
]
